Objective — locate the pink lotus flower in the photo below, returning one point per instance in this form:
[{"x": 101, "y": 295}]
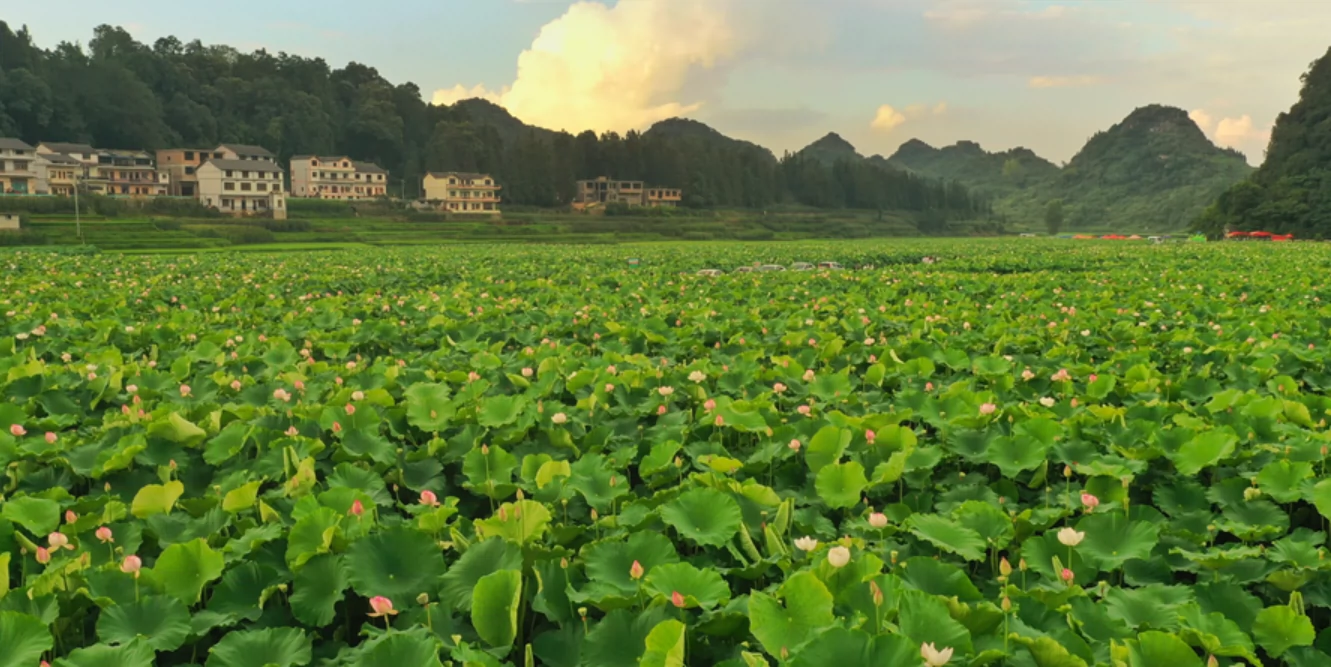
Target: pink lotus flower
[
  {"x": 988, "y": 409},
  {"x": 661, "y": 409},
  {"x": 609, "y": 388},
  {"x": 428, "y": 498},
  {"x": 292, "y": 432},
  {"x": 928, "y": 386},
  {"x": 870, "y": 436},
  {"x": 1067, "y": 575},
  {"x": 351, "y": 409},
  {"x": 1090, "y": 501},
  {"x": 131, "y": 388},
  {"x": 57, "y": 540},
  {"x": 527, "y": 372},
  {"x": 357, "y": 508},
  {"x": 51, "y": 438},
  {"x": 1027, "y": 374},
  {"x": 878, "y": 520},
  {"x": 131, "y": 565},
  {"x": 720, "y": 421},
  {"x": 779, "y": 388},
  {"x": 808, "y": 375},
  {"x": 709, "y": 405},
  {"x": 70, "y": 516},
  {"x": 635, "y": 571},
  {"x": 282, "y": 395},
  {"x": 184, "y": 390},
  {"x": 794, "y": 445},
  {"x": 381, "y": 606},
  {"x": 300, "y": 386},
  {"x": 804, "y": 410},
  {"x": 104, "y": 535},
  {"x": 337, "y": 428},
  {"x": 1061, "y": 376},
  {"x": 1092, "y": 377},
  {"x": 677, "y": 599},
  {"x": 17, "y": 430},
  {"x": 235, "y": 385},
  {"x": 43, "y": 556}
]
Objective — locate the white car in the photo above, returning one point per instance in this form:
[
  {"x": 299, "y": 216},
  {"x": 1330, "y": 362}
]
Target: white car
[
  {"x": 801, "y": 266},
  {"x": 834, "y": 266},
  {"x": 711, "y": 273},
  {"x": 766, "y": 268}
]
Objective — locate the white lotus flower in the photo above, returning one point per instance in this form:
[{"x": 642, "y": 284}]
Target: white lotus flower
[
  {"x": 838, "y": 556},
  {"x": 934, "y": 657},
  {"x": 1070, "y": 537}
]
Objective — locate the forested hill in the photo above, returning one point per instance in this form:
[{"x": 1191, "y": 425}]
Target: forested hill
[
  {"x": 1291, "y": 191},
  {"x": 116, "y": 92},
  {"x": 1154, "y": 170}
]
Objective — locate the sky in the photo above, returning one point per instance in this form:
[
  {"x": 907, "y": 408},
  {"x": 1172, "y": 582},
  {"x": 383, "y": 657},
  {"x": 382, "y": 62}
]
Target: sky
[{"x": 782, "y": 73}]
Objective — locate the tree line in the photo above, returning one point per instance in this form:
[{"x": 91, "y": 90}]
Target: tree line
[{"x": 116, "y": 92}]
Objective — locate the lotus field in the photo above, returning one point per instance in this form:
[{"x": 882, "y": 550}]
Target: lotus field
[{"x": 1033, "y": 454}]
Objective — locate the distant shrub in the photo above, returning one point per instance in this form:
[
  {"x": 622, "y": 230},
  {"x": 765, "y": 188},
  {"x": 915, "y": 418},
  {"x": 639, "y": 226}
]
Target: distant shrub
[
  {"x": 238, "y": 234},
  {"x": 21, "y": 237}
]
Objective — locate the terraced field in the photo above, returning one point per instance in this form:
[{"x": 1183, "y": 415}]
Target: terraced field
[{"x": 1027, "y": 454}]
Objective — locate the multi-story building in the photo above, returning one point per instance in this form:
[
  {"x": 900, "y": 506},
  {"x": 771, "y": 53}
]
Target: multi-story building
[
  {"x": 458, "y": 192},
  {"x": 242, "y": 187},
  {"x": 602, "y": 191},
  {"x": 336, "y": 177},
  {"x": 181, "y": 166},
  {"x": 58, "y": 173},
  {"x": 126, "y": 174},
  {"x": 81, "y": 152},
  {"x": 243, "y": 152},
  {"x": 17, "y": 173}
]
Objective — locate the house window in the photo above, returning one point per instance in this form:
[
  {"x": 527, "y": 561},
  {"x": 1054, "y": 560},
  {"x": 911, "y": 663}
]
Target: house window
[
  {"x": 263, "y": 187},
  {"x": 189, "y": 155},
  {"x": 228, "y": 186},
  {"x": 245, "y": 187},
  {"x": 228, "y": 173},
  {"x": 189, "y": 171},
  {"x": 244, "y": 174}
]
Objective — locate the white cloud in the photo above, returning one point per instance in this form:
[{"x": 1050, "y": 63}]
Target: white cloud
[
  {"x": 1238, "y": 132},
  {"x": 1063, "y": 81},
  {"x": 888, "y": 118},
  {"x": 616, "y": 68}
]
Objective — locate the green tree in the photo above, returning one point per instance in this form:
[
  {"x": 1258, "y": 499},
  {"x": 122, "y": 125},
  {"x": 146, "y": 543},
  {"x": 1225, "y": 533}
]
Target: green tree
[{"x": 1053, "y": 216}]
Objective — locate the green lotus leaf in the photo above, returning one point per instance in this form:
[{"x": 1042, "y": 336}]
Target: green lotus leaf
[
  {"x": 807, "y": 607},
  {"x": 700, "y": 588},
  {"x": 317, "y": 588},
  {"x": 177, "y": 429},
  {"x": 924, "y": 618},
  {"x": 497, "y": 411},
  {"x": 609, "y": 564},
  {"x": 136, "y": 653},
  {"x": 161, "y": 622},
  {"x": 480, "y": 559},
  {"x": 840, "y": 484},
  {"x": 1112, "y": 539},
  {"x": 283, "y": 647},
  {"x": 184, "y": 569},
  {"x": 39, "y": 515},
  {"x": 1012, "y": 455},
  {"x": 428, "y": 407},
  {"x": 704, "y": 516},
  {"x": 494, "y": 607},
  {"x": 489, "y": 472},
  {"x": 839, "y": 646},
  {"x": 414, "y": 648},
  {"x": 23, "y": 639},
  {"x": 312, "y": 535},
  {"x": 1161, "y": 648},
  {"x": 1283, "y": 479},
  {"x": 1047, "y": 652},
  {"x": 741, "y": 416},
  {"x": 1278, "y": 629},
  {"x": 1215, "y": 634},
  {"x": 1152, "y": 606},
  {"x": 939, "y": 578},
  {"x": 1204, "y": 451},
  {"x": 398, "y": 563},
  {"x": 521, "y": 522},
  {"x": 826, "y": 447},
  {"x": 987, "y": 520},
  {"x": 156, "y": 499},
  {"x": 1321, "y": 497},
  {"x": 620, "y": 639},
  {"x": 664, "y": 645},
  {"x": 241, "y": 498},
  {"x": 947, "y": 535}
]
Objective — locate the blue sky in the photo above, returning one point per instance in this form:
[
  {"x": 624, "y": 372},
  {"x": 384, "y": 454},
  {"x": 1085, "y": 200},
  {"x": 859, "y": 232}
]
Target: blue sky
[{"x": 1035, "y": 73}]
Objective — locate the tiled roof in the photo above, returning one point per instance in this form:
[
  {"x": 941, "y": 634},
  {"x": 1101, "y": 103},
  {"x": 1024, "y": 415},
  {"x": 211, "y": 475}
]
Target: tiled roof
[
  {"x": 466, "y": 176},
  {"x": 245, "y": 165},
  {"x": 68, "y": 148},
  {"x": 14, "y": 144},
  {"x": 368, "y": 168},
  {"x": 244, "y": 150}
]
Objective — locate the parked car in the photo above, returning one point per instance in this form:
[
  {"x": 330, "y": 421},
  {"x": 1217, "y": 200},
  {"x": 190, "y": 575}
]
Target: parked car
[
  {"x": 766, "y": 268},
  {"x": 834, "y": 266},
  {"x": 801, "y": 266},
  {"x": 711, "y": 273},
  {"x": 744, "y": 269}
]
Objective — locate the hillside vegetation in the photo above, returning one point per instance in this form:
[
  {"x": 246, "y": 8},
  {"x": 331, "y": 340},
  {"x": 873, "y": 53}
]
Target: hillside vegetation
[
  {"x": 1291, "y": 192},
  {"x": 1155, "y": 170}
]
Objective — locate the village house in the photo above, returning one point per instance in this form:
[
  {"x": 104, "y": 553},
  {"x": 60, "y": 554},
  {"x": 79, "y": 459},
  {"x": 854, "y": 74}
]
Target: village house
[
  {"x": 81, "y": 152},
  {"x": 242, "y": 187},
  {"x": 126, "y": 174},
  {"x": 336, "y": 177},
  {"x": 58, "y": 173},
  {"x": 602, "y": 191},
  {"x": 17, "y": 173},
  {"x": 243, "y": 152},
  {"x": 459, "y": 192},
  {"x": 181, "y": 166}
]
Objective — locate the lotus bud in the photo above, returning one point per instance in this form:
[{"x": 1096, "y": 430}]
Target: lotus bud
[
  {"x": 582, "y": 611},
  {"x": 423, "y": 599},
  {"x": 876, "y": 593},
  {"x": 1007, "y": 604},
  {"x": 1004, "y": 567},
  {"x": 1067, "y": 471},
  {"x": 595, "y": 514},
  {"x": 1021, "y": 565},
  {"x": 893, "y": 554}
]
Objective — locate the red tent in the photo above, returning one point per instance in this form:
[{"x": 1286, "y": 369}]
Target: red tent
[
  {"x": 1260, "y": 235},
  {"x": 1237, "y": 235}
]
